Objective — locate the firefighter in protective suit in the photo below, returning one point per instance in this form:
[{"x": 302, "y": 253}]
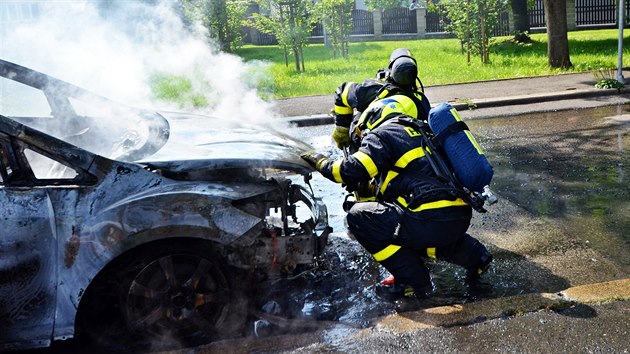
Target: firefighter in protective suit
[
  {"x": 415, "y": 215},
  {"x": 399, "y": 81}
]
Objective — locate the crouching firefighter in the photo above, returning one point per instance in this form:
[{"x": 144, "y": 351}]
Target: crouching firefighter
[{"x": 415, "y": 214}]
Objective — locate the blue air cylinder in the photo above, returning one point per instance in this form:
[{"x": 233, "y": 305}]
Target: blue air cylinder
[{"x": 464, "y": 153}]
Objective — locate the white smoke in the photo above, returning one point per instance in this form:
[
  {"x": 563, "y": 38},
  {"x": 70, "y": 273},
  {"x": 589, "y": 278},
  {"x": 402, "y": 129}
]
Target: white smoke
[{"x": 113, "y": 48}]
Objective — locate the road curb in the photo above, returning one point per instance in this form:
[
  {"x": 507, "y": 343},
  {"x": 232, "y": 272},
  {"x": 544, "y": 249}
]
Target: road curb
[
  {"x": 475, "y": 312},
  {"x": 323, "y": 119}
]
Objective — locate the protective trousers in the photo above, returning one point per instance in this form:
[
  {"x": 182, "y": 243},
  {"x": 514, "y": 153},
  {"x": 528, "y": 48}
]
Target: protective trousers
[{"x": 399, "y": 240}]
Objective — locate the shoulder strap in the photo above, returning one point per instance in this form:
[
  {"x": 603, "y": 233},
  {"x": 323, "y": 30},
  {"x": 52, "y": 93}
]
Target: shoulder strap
[{"x": 450, "y": 130}]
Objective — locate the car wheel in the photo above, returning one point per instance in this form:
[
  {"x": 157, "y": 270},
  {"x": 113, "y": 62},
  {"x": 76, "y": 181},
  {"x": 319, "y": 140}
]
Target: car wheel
[
  {"x": 182, "y": 297},
  {"x": 163, "y": 297}
]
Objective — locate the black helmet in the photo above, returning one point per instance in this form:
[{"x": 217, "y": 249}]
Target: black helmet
[{"x": 402, "y": 67}]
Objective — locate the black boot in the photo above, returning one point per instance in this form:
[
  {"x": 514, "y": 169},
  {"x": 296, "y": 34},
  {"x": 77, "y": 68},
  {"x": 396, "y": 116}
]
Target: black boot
[
  {"x": 484, "y": 264},
  {"x": 399, "y": 291}
]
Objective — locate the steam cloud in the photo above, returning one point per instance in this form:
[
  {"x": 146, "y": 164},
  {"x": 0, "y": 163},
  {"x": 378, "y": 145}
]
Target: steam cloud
[{"x": 114, "y": 47}]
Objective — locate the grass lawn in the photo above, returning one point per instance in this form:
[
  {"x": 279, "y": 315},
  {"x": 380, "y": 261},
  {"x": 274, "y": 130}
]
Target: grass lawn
[{"x": 441, "y": 61}]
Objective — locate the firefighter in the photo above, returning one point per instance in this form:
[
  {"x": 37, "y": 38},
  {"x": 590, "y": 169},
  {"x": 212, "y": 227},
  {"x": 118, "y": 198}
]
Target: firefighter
[
  {"x": 398, "y": 81},
  {"x": 414, "y": 215}
]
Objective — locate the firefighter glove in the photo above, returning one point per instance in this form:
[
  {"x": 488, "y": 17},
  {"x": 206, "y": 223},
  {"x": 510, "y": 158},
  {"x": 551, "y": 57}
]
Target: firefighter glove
[
  {"x": 315, "y": 159},
  {"x": 341, "y": 136}
]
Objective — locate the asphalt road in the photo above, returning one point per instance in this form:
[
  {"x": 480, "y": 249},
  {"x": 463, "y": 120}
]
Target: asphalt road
[{"x": 572, "y": 263}]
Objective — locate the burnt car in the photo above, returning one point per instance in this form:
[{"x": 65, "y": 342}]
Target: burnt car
[{"x": 126, "y": 226}]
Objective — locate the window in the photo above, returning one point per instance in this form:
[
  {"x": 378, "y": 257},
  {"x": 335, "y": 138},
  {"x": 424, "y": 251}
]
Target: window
[
  {"x": 19, "y": 100},
  {"x": 44, "y": 167}
]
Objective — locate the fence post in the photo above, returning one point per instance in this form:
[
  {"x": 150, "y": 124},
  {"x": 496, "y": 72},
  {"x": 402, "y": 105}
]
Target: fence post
[
  {"x": 378, "y": 24},
  {"x": 571, "y": 18},
  {"x": 511, "y": 22},
  {"x": 421, "y": 22}
]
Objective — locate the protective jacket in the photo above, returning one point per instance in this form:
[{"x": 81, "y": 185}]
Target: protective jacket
[
  {"x": 393, "y": 154},
  {"x": 415, "y": 214}
]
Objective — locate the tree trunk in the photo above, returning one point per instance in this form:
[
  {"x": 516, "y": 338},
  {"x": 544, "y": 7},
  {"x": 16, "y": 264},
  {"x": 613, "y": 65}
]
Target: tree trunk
[
  {"x": 296, "y": 56},
  {"x": 557, "y": 39},
  {"x": 521, "y": 21},
  {"x": 484, "y": 41}
]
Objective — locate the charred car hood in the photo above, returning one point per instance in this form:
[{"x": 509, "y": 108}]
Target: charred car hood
[
  {"x": 200, "y": 142},
  {"x": 176, "y": 142}
]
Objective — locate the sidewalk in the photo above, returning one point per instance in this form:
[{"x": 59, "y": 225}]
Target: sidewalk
[{"x": 483, "y": 94}]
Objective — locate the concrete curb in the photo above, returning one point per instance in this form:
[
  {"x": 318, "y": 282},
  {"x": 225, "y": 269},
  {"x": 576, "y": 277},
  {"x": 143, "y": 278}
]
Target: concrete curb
[
  {"x": 323, "y": 119},
  {"x": 474, "y": 312}
]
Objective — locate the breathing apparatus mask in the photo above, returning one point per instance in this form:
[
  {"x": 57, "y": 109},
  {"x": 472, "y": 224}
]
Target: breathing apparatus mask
[{"x": 402, "y": 69}]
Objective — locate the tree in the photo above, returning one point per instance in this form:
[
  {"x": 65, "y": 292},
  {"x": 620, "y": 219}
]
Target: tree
[
  {"x": 290, "y": 22},
  {"x": 384, "y": 4},
  {"x": 336, "y": 16},
  {"x": 472, "y": 21},
  {"x": 557, "y": 39},
  {"x": 521, "y": 21},
  {"x": 222, "y": 18}
]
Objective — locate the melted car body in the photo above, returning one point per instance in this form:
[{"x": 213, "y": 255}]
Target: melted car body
[{"x": 150, "y": 220}]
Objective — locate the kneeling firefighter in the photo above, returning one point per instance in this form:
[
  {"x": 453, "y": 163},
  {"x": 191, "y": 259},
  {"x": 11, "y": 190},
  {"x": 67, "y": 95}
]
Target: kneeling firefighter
[
  {"x": 398, "y": 81},
  {"x": 415, "y": 215}
]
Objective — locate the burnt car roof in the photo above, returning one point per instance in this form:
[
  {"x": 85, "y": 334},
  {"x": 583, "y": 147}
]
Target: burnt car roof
[{"x": 165, "y": 140}]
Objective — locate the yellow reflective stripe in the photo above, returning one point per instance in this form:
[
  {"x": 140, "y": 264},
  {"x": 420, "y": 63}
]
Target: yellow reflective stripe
[
  {"x": 468, "y": 133},
  {"x": 344, "y": 95},
  {"x": 367, "y": 162},
  {"x": 402, "y": 201},
  {"x": 343, "y": 110},
  {"x": 383, "y": 94},
  {"x": 433, "y": 205},
  {"x": 366, "y": 199},
  {"x": 456, "y": 115},
  {"x": 386, "y": 253},
  {"x": 473, "y": 141},
  {"x": 336, "y": 170},
  {"x": 402, "y": 162},
  {"x": 431, "y": 252},
  {"x": 390, "y": 176},
  {"x": 409, "y": 156}
]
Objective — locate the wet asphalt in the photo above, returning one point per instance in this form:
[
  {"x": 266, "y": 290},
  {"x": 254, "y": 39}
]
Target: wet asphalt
[
  {"x": 577, "y": 263},
  {"x": 561, "y": 279}
]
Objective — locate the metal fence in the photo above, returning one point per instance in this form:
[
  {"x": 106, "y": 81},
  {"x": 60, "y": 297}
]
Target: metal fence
[
  {"x": 399, "y": 21},
  {"x": 587, "y": 13},
  {"x": 537, "y": 14},
  {"x": 362, "y": 22},
  {"x": 404, "y": 22},
  {"x": 595, "y": 12},
  {"x": 436, "y": 22},
  {"x": 503, "y": 27}
]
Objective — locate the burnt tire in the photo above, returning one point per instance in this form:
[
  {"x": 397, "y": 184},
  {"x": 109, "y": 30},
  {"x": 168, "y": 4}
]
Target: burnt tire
[{"x": 169, "y": 297}]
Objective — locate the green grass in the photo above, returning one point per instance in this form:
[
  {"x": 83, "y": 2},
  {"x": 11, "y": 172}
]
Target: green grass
[{"x": 441, "y": 61}]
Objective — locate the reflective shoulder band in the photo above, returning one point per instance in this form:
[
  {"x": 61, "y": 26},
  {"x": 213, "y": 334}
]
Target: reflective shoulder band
[
  {"x": 431, "y": 252},
  {"x": 336, "y": 170},
  {"x": 343, "y": 110},
  {"x": 386, "y": 253},
  {"x": 367, "y": 162},
  {"x": 344, "y": 94}
]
